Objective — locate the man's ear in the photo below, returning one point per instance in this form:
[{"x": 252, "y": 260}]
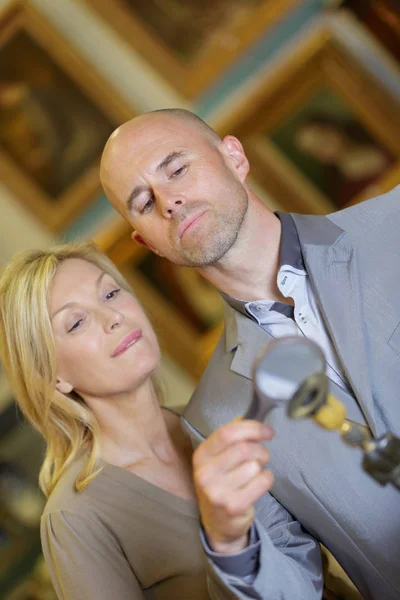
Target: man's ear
[
  {"x": 235, "y": 156},
  {"x": 136, "y": 237},
  {"x": 63, "y": 386}
]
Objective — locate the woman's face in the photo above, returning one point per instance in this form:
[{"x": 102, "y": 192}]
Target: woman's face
[{"x": 105, "y": 345}]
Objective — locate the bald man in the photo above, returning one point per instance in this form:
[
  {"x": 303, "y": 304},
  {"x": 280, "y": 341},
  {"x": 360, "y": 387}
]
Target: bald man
[{"x": 334, "y": 279}]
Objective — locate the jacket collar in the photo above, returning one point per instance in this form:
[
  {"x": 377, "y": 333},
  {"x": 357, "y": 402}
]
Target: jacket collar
[{"x": 331, "y": 263}]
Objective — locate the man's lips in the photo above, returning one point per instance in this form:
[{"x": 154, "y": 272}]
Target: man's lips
[
  {"x": 188, "y": 222},
  {"x": 127, "y": 342}
]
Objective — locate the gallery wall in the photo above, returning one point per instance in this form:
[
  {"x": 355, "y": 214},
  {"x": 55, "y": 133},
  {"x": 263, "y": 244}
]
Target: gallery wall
[{"x": 310, "y": 87}]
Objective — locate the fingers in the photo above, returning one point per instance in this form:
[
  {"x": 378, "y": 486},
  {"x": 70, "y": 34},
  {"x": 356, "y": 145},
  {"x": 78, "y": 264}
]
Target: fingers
[
  {"x": 237, "y": 492},
  {"x": 242, "y": 475},
  {"x": 228, "y": 460},
  {"x": 227, "y": 515},
  {"x": 229, "y": 478},
  {"x": 232, "y": 433},
  {"x": 251, "y": 492}
]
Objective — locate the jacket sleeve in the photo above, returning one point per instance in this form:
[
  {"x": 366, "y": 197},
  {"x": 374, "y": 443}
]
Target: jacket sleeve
[
  {"x": 285, "y": 561},
  {"x": 84, "y": 560}
]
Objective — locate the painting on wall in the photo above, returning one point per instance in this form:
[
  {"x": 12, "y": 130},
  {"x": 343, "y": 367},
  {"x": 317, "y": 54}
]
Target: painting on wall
[
  {"x": 382, "y": 18},
  {"x": 55, "y": 117},
  {"x": 332, "y": 148},
  {"x": 321, "y": 133},
  {"x": 185, "y": 310},
  {"x": 190, "y": 294},
  {"x": 191, "y": 43},
  {"x": 184, "y": 27}
]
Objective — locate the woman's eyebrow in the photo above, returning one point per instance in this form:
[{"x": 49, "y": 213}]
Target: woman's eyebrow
[{"x": 72, "y": 304}]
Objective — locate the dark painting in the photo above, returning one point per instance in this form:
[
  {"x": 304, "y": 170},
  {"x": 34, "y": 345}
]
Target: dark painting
[
  {"x": 332, "y": 148},
  {"x": 48, "y": 126},
  {"x": 184, "y": 27}
]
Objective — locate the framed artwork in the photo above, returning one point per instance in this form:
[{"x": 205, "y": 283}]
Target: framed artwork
[
  {"x": 320, "y": 132},
  {"x": 382, "y": 18},
  {"x": 185, "y": 310},
  {"x": 55, "y": 117},
  {"x": 386, "y": 183},
  {"x": 191, "y": 43}
]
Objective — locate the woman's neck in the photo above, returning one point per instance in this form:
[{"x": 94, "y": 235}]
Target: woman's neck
[{"x": 133, "y": 428}]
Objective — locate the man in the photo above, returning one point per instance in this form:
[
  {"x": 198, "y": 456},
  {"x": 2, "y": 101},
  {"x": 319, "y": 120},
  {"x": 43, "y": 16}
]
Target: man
[{"x": 333, "y": 279}]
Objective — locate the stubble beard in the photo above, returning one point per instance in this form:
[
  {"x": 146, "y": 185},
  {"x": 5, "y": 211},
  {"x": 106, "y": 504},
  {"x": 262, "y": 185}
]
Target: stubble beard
[{"x": 202, "y": 250}]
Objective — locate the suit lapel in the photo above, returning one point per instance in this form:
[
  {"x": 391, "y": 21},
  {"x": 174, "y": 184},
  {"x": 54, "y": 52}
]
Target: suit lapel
[
  {"x": 331, "y": 263},
  {"x": 250, "y": 338}
]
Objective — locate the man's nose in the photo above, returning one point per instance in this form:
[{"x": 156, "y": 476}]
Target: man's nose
[{"x": 170, "y": 204}]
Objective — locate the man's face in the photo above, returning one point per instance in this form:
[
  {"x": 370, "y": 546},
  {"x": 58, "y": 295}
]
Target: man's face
[{"x": 182, "y": 194}]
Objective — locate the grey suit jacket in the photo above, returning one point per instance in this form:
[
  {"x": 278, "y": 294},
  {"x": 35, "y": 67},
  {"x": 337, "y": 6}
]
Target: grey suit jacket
[{"x": 353, "y": 261}]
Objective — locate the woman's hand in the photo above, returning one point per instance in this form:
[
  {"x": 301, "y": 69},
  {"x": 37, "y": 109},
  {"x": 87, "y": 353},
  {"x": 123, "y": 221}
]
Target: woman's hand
[{"x": 229, "y": 478}]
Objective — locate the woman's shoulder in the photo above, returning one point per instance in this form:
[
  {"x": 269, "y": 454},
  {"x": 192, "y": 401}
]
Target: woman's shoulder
[
  {"x": 73, "y": 521},
  {"x": 65, "y": 497}
]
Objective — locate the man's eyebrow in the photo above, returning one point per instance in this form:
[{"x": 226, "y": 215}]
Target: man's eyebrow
[
  {"x": 140, "y": 188},
  {"x": 72, "y": 304},
  {"x": 133, "y": 195},
  {"x": 168, "y": 159}
]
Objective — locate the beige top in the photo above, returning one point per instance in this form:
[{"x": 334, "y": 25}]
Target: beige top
[{"x": 122, "y": 537}]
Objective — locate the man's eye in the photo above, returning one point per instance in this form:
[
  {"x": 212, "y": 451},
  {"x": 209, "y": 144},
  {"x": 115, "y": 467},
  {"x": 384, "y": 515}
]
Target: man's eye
[
  {"x": 146, "y": 207},
  {"x": 179, "y": 171},
  {"x": 112, "y": 294}
]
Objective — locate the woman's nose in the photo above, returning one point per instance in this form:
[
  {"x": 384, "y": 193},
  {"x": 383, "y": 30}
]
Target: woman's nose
[{"x": 113, "y": 319}]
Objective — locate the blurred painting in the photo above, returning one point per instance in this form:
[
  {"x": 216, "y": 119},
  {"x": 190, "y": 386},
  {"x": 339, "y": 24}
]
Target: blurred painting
[
  {"x": 382, "y": 18},
  {"x": 48, "y": 126},
  {"x": 331, "y": 147},
  {"x": 193, "y": 298},
  {"x": 191, "y": 43},
  {"x": 184, "y": 27}
]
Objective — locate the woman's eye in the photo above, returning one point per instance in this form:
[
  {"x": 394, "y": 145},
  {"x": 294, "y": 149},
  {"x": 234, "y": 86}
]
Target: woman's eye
[
  {"x": 148, "y": 205},
  {"x": 112, "y": 294},
  {"x": 75, "y": 326}
]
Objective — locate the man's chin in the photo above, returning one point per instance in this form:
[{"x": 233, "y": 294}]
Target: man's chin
[{"x": 202, "y": 258}]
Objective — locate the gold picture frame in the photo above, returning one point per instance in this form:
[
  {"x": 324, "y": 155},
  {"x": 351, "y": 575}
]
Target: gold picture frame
[
  {"x": 180, "y": 39},
  {"x": 55, "y": 116},
  {"x": 319, "y": 132},
  {"x": 390, "y": 180},
  {"x": 382, "y": 18},
  {"x": 185, "y": 310}
]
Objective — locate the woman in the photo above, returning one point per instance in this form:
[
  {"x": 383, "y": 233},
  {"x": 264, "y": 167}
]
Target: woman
[{"x": 122, "y": 520}]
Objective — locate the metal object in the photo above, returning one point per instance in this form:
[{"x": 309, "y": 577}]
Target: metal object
[
  {"x": 290, "y": 372},
  {"x": 279, "y": 372}
]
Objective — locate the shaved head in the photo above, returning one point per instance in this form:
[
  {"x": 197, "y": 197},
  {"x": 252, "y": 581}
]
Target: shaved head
[
  {"x": 166, "y": 168},
  {"x": 186, "y": 115},
  {"x": 127, "y": 131}
]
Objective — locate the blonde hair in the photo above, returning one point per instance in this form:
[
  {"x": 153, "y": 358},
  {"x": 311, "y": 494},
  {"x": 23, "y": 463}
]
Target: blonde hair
[{"x": 27, "y": 351}]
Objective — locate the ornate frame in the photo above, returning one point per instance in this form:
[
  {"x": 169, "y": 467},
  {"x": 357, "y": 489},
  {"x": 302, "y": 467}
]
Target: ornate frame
[
  {"x": 56, "y": 212},
  {"x": 320, "y": 61},
  {"x": 218, "y": 53}
]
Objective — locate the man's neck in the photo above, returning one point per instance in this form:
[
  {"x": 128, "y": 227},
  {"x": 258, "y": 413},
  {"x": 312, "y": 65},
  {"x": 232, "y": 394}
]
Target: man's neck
[{"x": 249, "y": 269}]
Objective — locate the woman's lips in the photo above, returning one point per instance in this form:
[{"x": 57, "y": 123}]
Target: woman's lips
[
  {"x": 127, "y": 342},
  {"x": 188, "y": 222}
]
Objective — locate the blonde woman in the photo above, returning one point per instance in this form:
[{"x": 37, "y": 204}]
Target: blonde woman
[{"x": 125, "y": 495}]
